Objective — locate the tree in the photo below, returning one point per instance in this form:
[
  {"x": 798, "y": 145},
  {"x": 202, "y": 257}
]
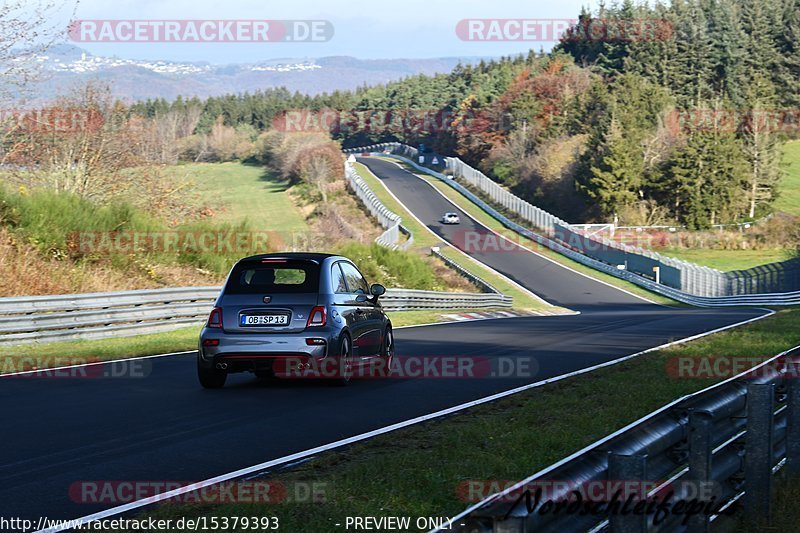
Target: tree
[
  {"x": 788, "y": 74},
  {"x": 27, "y": 30},
  {"x": 761, "y": 146},
  {"x": 692, "y": 82},
  {"x": 615, "y": 180},
  {"x": 619, "y": 151},
  {"x": 729, "y": 49},
  {"x": 303, "y": 157},
  {"x": 655, "y": 54},
  {"x": 705, "y": 179},
  {"x": 761, "y": 20}
]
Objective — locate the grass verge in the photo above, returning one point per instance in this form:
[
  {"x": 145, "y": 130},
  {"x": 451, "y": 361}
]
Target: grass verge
[
  {"x": 726, "y": 260},
  {"x": 56, "y": 354},
  {"x": 789, "y": 192},
  {"x": 424, "y": 239},
  {"x": 417, "y": 471},
  {"x": 785, "y": 512},
  {"x": 241, "y": 191}
]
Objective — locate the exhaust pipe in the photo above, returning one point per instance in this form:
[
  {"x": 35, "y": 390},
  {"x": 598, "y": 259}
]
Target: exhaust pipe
[{"x": 222, "y": 366}]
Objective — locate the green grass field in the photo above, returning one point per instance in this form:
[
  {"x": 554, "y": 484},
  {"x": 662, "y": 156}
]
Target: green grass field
[
  {"x": 240, "y": 191},
  {"x": 728, "y": 259},
  {"x": 789, "y": 199}
]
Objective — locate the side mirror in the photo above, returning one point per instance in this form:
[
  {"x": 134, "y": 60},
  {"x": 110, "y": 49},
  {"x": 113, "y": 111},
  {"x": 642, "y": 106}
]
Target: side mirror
[{"x": 377, "y": 290}]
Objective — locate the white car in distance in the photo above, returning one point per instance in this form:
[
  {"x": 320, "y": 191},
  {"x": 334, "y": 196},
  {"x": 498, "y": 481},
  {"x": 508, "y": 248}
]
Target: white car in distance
[{"x": 451, "y": 218}]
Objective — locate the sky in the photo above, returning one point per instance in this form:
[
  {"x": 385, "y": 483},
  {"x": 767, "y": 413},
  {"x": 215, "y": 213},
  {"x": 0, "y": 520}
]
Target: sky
[{"x": 366, "y": 29}]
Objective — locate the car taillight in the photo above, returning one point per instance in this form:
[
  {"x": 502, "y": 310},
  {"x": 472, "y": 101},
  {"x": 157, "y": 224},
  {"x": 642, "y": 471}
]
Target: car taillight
[
  {"x": 215, "y": 318},
  {"x": 318, "y": 316}
]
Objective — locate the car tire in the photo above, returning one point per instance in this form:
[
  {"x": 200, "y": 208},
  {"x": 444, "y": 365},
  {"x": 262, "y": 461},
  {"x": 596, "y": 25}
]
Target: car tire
[
  {"x": 211, "y": 378},
  {"x": 387, "y": 354},
  {"x": 344, "y": 362}
]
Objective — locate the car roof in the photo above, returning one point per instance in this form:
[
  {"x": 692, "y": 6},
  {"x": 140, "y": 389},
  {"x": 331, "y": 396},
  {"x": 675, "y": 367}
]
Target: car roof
[{"x": 299, "y": 256}]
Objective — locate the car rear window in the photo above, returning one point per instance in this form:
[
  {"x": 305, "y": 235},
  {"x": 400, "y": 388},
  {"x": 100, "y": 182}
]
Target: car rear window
[{"x": 274, "y": 276}]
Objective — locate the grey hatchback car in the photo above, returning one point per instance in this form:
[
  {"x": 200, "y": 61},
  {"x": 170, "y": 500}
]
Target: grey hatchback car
[{"x": 296, "y": 315}]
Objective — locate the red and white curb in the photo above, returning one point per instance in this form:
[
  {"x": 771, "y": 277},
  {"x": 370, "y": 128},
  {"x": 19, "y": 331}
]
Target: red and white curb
[{"x": 481, "y": 315}]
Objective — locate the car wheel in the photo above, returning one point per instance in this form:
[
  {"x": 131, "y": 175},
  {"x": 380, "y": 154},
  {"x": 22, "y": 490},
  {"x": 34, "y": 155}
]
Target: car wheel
[
  {"x": 211, "y": 378},
  {"x": 344, "y": 362},
  {"x": 387, "y": 354}
]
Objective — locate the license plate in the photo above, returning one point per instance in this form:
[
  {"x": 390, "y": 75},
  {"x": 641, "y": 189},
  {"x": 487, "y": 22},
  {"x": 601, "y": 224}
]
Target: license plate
[{"x": 264, "y": 320}]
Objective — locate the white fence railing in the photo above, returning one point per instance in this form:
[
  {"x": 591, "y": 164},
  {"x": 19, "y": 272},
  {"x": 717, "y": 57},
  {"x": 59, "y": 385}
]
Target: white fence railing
[
  {"x": 30, "y": 319},
  {"x": 390, "y": 221},
  {"x": 693, "y": 284}
]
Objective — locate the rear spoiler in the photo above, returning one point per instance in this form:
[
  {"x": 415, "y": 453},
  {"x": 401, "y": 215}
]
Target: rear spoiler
[{"x": 282, "y": 260}]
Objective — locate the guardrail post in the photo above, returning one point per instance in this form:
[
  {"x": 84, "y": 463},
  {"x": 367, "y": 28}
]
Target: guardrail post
[
  {"x": 758, "y": 452},
  {"x": 792, "y": 418},
  {"x": 627, "y": 468},
  {"x": 700, "y": 456}
]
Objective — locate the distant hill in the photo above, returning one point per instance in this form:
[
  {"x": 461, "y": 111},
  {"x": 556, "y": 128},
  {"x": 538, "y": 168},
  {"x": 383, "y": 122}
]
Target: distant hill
[{"x": 68, "y": 66}]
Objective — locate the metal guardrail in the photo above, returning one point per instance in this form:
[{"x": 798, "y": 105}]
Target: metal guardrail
[
  {"x": 480, "y": 282},
  {"x": 408, "y": 300},
  {"x": 691, "y": 277},
  {"x": 390, "y": 221},
  {"x": 724, "y": 443},
  {"x": 25, "y": 320}
]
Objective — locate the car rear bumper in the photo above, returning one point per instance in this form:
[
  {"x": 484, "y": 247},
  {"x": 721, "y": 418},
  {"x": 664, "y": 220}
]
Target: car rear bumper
[{"x": 254, "y": 351}]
